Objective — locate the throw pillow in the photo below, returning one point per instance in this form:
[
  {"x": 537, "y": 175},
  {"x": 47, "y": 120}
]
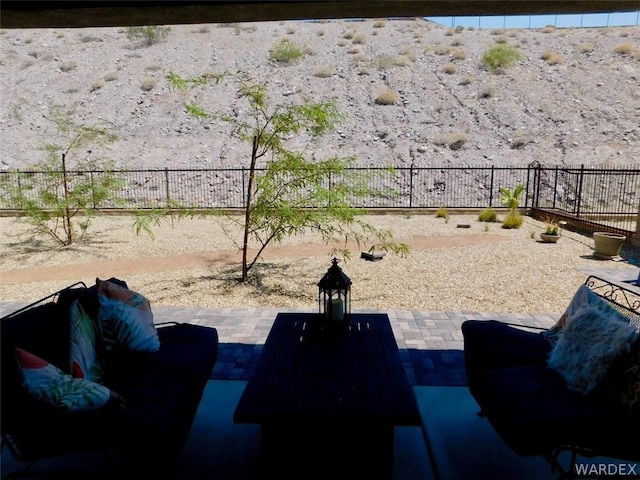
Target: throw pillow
[
  {"x": 590, "y": 342},
  {"x": 126, "y": 319},
  {"x": 84, "y": 358},
  {"x": 48, "y": 383}
]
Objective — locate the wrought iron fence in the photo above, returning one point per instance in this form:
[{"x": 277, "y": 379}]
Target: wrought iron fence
[{"x": 608, "y": 195}]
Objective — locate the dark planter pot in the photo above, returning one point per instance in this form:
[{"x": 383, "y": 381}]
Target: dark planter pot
[
  {"x": 548, "y": 238},
  {"x": 607, "y": 245}
]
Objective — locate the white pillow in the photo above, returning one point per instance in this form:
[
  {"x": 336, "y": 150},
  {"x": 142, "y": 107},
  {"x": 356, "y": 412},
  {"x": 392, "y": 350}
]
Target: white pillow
[{"x": 592, "y": 338}]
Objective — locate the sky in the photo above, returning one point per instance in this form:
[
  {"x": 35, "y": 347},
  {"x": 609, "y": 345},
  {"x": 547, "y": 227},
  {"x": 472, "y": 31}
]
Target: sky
[{"x": 541, "y": 21}]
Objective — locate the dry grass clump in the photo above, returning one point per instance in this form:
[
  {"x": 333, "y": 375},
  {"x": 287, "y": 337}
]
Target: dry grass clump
[
  {"x": 379, "y": 24},
  {"x": 359, "y": 38},
  {"x": 402, "y": 61},
  {"x": 324, "y": 71},
  {"x": 586, "y": 47},
  {"x": 486, "y": 92},
  {"x": 549, "y": 29},
  {"x": 384, "y": 62},
  {"x": 148, "y": 84},
  {"x": 97, "y": 85},
  {"x": 467, "y": 79},
  {"x": 551, "y": 58},
  {"x": 459, "y": 55},
  {"x": 624, "y": 49},
  {"x": 442, "y": 49},
  {"x": 110, "y": 76},
  {"x": 454, "y": 140},
  {"x": 449, "y": 69},
  {"x": 408, "y": 52},
  {"x": 387, "y": 96},
  {"x": 67, "y": 66}
]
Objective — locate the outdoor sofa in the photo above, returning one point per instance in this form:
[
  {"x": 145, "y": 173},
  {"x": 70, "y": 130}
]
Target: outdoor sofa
[
  {"x": 86, "y": 369},
  {"x": 574, "y": 387}
]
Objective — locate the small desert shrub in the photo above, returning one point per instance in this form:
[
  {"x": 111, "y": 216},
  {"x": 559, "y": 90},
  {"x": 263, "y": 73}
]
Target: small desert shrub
[
  {"x": 554, "y": 59},
  {"x": 97, "y": 85},
  {"x": 401, "y": 61},
  {"x": 500, "y": 56},
  {"x": 110, "y": 77},
  {"x": 387, "y": 96},
  {"x": 467, "y": 80},
  {"x": 624, "y": 49},
  {"x": 549, "y": 29},
  {"x": 286, "y": 51},
  {"x": 359, "y": 38},
  {"x": 148, "y": 35},
  {"x": 324, "y": 71},
  {"x": 449, "y": 69},
  {"x": 488, "y": 215},
  {"x": 459, "y": 55},
  {"x": 379, "y": 24},
  {"x": 486, "y": 92},
  {"x": 520, "y": 142},
  {"x": 67, "y": 66},
  {"x": 513, "y": 220},
  {"x": 442, "y": 212},
  {"x": 384, "y": 62},
  {"x": 320, "y": 33},
  {"x": 353, "y": 50},
  {"x": 587, "y": 47},
  {"x": 454, "y": 140},
  {"x": 501, "y": 40},
  {"x": 148, "y": 84},
  {"x": 442, "y": 50},
  {"x": 291, "y": 31},
  {"x": 89, "y": 39},
  {"x": 409, "y": 53},
  {"x": 450, "y": 32},
  {"x": 363, "y": 71},
  {"x": 459, "y": 29},
  {"x": 360, "y": 58},
  {"x": 498, "y": 31},
  {"x": 348, "y": 35},
  {"x": 203, "y": 29}
]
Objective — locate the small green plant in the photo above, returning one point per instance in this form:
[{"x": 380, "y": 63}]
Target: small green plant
[
  {"x": 500, "y": 56},
  {"x": 513, "y": 220},
  {"x": 511, "y": 199},
  {"x": 286, "y": 51},
  {"x": 488, "y": 215},
  {"x": 442, "y": 212},
  {"x": 551, "y": 227},
  {"x": 148, "y": 35}
]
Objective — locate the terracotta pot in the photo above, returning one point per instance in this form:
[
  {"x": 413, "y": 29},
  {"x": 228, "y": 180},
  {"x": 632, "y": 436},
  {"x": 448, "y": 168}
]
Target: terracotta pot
[
  {"x": 607, "y": 245},
  {"x": 548, "y": 238}
]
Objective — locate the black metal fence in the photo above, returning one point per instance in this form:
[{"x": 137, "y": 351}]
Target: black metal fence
[{"x": 608, "y": 195}]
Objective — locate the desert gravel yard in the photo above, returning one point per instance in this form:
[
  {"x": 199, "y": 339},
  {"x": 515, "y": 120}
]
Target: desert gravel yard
[{"x": 195, "y": 264}]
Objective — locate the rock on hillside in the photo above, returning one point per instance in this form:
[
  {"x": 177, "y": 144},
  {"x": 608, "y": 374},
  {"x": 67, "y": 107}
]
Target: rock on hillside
[{"x": 572, "y": 98}]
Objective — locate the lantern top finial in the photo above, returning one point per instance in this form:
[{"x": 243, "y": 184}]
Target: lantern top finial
[{"x": 335, "y": 278}]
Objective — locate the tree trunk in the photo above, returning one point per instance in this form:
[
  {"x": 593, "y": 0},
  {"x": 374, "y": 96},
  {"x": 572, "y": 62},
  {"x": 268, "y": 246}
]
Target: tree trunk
[
  {"x": 67, "y": 214},
  {"x": 247, "y": 208}
]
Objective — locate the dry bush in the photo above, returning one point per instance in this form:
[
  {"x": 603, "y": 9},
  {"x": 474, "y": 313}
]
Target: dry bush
[
  {"x": 97, "y": 85},
  {"x": 449, "y": 69},
  {"x": 384, "y": 62},
  {"x": 387, "y": 96},
  {"x": 586, "y": 47},
  {"x": 363, "y": 70},
  {"x": 459, "y": 55},
  {"x": 148, "y": 84},
  {"x": 486, "y": 92},
  {"x": 501, "y": 40},
  {"x": 359, "y": 38},
  {"x": 546, "y": 55},
  {"x": 554, "y": 59},
  {"x": 498, "y": 31},
  {"x": 320, "y": 33},
  {"x": 110, "y": 77},
  {"x": 408, "y": 52},
  {"x": 360, "y": 58},
  {"x": 379, "y": 24},
  {"x": 456, "y": 43},
  {"x": 549, "y": 29},
  {"x": 324, "y": 71},
  {"x": 520, "y": 142},
  {"x": 624, "y": 49},
  {"x": 402, "y": 61},
  {"x": 353, "y": 50},
  {"x": 348, "y": 35},
  {"x": 442, "y": 50},
  {"x": 454, "y": 140},
  {"x": 467, "y": 79},
  {"x": 342, "y": 43},
  {"x": 450, "y": 32},
  {"x": 67, "y": 66}
]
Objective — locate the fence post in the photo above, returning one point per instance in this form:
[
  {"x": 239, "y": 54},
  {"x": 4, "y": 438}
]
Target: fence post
[
  {"x": 579, "y": 196},
  {"x": 555, "y": 188},
  {"x": 491, "y": 187},
  {"x": 411, "y": 186},
  {"x": 244, "y": 189},
  {"x": 166, "y": 186}
]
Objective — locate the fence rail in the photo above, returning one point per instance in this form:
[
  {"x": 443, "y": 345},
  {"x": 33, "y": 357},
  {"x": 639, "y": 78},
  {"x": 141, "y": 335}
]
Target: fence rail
[{"x": 610, "y": 195}]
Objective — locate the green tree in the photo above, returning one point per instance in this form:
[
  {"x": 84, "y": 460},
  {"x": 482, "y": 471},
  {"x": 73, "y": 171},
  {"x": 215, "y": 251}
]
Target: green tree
[
  {"x": 52, "y": 197},
  {"x": 291, "y": 194}
]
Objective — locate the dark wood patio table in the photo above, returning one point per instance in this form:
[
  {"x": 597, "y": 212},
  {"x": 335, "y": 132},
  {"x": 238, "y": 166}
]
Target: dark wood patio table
[{"x": 328, "y": 396}]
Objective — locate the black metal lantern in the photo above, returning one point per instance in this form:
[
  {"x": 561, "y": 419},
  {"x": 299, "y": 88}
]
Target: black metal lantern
[{"x": 334, "y": 294}]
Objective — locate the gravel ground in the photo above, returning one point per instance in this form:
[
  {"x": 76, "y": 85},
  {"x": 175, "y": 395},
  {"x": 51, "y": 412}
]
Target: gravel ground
[{"x": 481, "y": 268}]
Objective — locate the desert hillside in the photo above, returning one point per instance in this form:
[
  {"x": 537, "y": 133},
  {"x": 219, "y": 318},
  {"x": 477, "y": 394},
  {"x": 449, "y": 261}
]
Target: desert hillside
[{"x": 413, "y": 92}]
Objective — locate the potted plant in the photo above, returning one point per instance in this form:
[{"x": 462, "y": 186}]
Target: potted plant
[{"x": 551, "y": 232}]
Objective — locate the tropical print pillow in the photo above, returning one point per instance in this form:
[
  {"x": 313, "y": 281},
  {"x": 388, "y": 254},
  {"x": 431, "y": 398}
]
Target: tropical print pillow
[
  {"x": 84, "y": 358},
  {"x": 48, "y": 383},
  {"x": 126, "y": 319}
]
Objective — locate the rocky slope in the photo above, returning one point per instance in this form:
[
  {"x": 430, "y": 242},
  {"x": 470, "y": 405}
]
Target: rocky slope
[{"x": 572, "y": 98}]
